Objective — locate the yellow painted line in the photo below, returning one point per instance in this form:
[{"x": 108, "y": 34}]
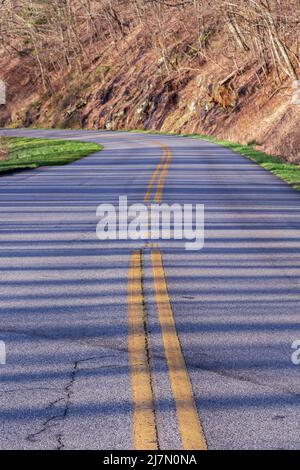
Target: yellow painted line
[
  {"x": 144, "y": 427},
  {"x": 160, "y": 186},
  {"x": 190, "y": 428},
  {"x": 155, "y": 174}
]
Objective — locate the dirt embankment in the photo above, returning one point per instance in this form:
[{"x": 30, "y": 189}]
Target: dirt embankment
[{"x": 132, "y": 84}]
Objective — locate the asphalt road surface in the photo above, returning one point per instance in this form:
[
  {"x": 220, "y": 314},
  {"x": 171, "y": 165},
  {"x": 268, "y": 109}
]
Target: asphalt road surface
[{"x": 130, "y": 344}]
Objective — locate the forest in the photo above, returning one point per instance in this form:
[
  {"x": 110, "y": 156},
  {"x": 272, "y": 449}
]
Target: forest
[{"x": 177, "y": 65}]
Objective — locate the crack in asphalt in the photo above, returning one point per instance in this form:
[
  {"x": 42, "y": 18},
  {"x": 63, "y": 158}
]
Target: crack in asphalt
[
  {"x": 51, "y": 422},
  {"x": 231, "y": 374},
  {"x": 248, "y": 379}
]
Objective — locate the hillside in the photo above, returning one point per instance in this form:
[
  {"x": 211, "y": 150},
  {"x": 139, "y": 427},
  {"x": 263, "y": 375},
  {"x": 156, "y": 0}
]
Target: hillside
[{"x": 227, "y": 70}]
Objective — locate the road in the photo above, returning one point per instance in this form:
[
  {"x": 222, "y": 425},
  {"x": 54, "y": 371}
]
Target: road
[{"x": 212, "y": 367}]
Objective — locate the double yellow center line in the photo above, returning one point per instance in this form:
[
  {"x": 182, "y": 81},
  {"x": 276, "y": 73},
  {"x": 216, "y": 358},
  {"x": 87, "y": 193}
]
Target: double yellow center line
[
  {"x": 144, "y": 427},
  {"x": 144, "y": 424},
  {"x": 159, "y": 174}
]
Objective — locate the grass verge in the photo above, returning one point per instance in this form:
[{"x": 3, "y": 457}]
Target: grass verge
[
  {"x": 288, "y": 172},
  {"x": 284, "y": 170},
  {"x": 17, "y": 153}
]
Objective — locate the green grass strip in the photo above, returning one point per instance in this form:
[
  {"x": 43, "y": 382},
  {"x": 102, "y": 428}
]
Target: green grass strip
[
  {"x": 22, "y": 153},
  {"x": 288, "y": 172}
]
